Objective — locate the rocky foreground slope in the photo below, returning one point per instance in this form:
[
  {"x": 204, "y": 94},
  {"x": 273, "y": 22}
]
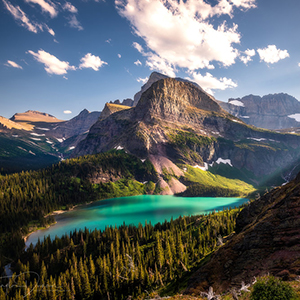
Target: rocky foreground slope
[
  {"x": 177, "y": 122},
  {"x": 267, "y": 241}
]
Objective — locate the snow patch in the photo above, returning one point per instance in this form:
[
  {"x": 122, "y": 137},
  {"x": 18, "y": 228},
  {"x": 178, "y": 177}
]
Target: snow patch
[
  {"x": 224, "y": 161},
  {"x": 36, "y": 139},
  {"x": 119, "y": 148},
  {"x": 31, "y": 152},
  {"x": 49, "y": 142},
  {"x": 36, "y": 134},
  {"x": 237, "y": 103},
  {"x": 143, "y": 160},
  {"x": 15, "y": 135},
  {"x": 245, "y": 117},
  {"x": 205, "y": 168},
  {"x": 72, "y": 147},
  {"x": 60, "y": 140},
  {"x": 236, "y": 121},
  {"x": 258, "y": 140},
  {"x": 295, "y": 116},
  {"x": 40, "y": 128},
  {"x": 22, "y": 148}
]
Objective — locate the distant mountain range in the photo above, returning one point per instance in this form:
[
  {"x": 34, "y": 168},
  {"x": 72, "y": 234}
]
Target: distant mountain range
[
  {"x": 173, "y": 119},
  {"x": 277, "y": 111},
  {"x": 32, "y": 140}
]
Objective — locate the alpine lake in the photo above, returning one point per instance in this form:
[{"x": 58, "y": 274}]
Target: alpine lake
[{"x": 131, "y": 210}]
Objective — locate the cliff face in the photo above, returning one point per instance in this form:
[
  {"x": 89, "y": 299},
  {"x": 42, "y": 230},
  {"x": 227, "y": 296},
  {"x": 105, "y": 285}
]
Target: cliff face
[
  {"x": 267, "y": 241},
  {"x": 271, "y": 111},
  {"x": 178, "y": 121}
]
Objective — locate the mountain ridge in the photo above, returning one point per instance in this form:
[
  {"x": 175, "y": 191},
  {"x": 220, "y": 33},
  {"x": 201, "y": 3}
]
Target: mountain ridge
[{"x": 177, "y": 121}]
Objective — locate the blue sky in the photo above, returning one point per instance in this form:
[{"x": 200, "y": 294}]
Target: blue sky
[{"x": 60, "y": 56}]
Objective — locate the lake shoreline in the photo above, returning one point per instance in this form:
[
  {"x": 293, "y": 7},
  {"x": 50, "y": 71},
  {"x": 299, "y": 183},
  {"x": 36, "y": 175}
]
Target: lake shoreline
[
  {"x": 132, "y": 210},
  {"x": 53, "y": 213}
]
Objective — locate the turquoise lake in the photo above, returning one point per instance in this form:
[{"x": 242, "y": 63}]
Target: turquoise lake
[{"x": 132, "y": 210}]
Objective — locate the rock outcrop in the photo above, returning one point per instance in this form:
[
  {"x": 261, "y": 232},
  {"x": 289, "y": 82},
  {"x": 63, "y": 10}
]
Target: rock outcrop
[
  {"x": 277, "y": 111},
  {"x": 267, "y": 241}
]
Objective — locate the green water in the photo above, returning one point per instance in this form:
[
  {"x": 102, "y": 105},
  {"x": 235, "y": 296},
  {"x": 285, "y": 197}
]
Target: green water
[{"x": 132, "y": 210}]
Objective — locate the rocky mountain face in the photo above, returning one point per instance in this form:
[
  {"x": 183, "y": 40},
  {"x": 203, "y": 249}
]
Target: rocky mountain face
[
  {"x": 155, "y": 76},
  {"x": 176, "y": 122},
  {"x": 277, "y": 111},
  {"x": 111, "y": 108},
  {"x": 266, "y": 241}
]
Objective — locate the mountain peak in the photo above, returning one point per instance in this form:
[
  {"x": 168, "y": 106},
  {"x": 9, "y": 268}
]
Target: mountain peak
[
  {"x": 34, "y": 116},
  {"x": 171, "y": 98}
]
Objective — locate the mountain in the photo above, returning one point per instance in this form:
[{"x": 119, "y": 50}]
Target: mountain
[
  {"x": 274, "y": 111},
  {"x": 32, "y": 116},
  {"x": 33, "y": 139},
  {"x": 176, "y": 123},
  {"x": 266, "y": 241},
  {"x": 155, "y": 76}
]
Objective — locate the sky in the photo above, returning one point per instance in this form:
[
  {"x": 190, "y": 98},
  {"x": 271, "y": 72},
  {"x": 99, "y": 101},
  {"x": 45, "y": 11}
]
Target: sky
[{"x": 61, "y": 57}]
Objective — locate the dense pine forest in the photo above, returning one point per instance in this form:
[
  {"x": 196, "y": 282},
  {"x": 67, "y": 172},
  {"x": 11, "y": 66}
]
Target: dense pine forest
[
  {"x": 118, "y": 263},
  {"x": 27, "y": 197}
]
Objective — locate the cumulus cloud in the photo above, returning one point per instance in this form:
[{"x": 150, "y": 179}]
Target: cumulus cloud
[
  {"x": 46, "y": 6},
  {"x": 91, "y": 61},
  {"x": 67, "y": 112},
  {"x": 52, "y": 64},
  {"x": 143, "y": 80},
  {"x": 119, "y": 55},
  {"x": 179, "y": 33},
  {"x": 70, "y": 7},
  {"x": 11, "y": 63},
  {"x": 20, "y": 16},
  {"x": 138, "y": 63},
  {"x": 271, "y": 54},
  {"x": 248, "y": 56},
  {"x": 74, "y": 23},
  {"x": 210, "y": 83}
]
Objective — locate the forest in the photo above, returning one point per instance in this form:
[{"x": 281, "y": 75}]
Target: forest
[
  {"x": 118, "y": 263},
  {"x": 27, "y": 197}
]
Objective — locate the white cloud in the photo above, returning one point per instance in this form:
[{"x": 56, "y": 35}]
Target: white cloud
[
  {"x": 137, "y": 63},
  {"x": 210, "y": 83},
  {"x": 298, "y": 64},
  {"x": 11, "y": 63},
  {"x": 249, "y": 53},
  {"x": 19, "y": 15},
  {"x": 67, "y": 112},
  {"x": 138, "y": 47},
  {"x": 74, "y": 23},
  {"x": 179, "y": 33},
  {"x": 69, "y": 7},
  {"x": 52, "y": 64},
  {"x": 108, "y": 41},
  {"x": 46, "y": 6},
  {"x": 119, "y": 55},
  {"x": 50, "y": 30},
  {"x": 91, "y": 61},
  {"x": 271, "y": 54},
  {"x": 143, "y": 80}
]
